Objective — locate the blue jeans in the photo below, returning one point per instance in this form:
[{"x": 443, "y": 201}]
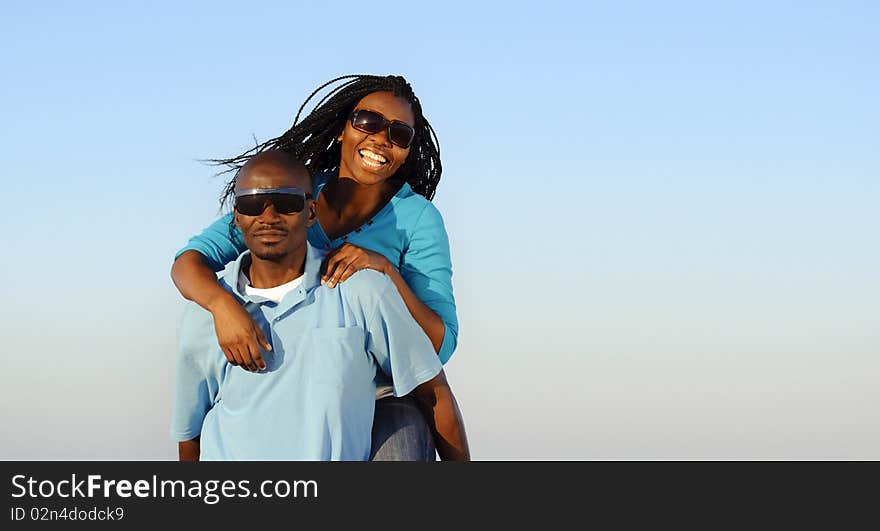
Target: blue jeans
[{"x": 400, "y": 432}]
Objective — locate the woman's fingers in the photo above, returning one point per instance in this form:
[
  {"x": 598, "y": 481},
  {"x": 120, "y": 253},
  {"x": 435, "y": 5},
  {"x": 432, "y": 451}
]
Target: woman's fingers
[
  {"x": 334, "y": 263},
  {"x": 245, "y": 353},
  {"x": 261, "y": 339},
  {"x": 255, "y": 357},
  {"x": 237, "y": 358},
  {"x": 344, "y": 262},
  {"x": 230, "y": 357},
  {"x": 239, "y": 337},
  {"x": 337, "y": 257},
  {"x": 243, "y": 356},
  {"x": 350, "y": 270},
  {"x": 343, "y": 269}
]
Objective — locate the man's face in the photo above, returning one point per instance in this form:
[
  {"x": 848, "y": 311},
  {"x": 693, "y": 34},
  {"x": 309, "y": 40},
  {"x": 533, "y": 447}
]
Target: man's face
[{"x": 271, "y": 235}]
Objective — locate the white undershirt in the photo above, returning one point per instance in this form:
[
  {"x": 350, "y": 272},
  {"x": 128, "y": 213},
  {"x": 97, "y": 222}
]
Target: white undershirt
[{"x": 275, "y": 294}]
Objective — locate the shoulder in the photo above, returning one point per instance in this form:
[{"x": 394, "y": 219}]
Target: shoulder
[
  {"x": 366, "y": 288},
  {"x": 195, "y": 332},
  {"x": 367, "y": 282},
  {"x": 195, "y": 317},
  {"x": 409, "y": 206},
  {"x": 416, "y": 214}
]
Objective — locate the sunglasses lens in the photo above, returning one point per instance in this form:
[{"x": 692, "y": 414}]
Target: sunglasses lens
[
  {"x": 371, "y": 123},
  {"x": 250, "y": 205},
  {"x": 367, "y": 121},
  {"x": 400, "y": 134},
  {"x": 254, "y": 205},
  {"x": 287, "y": 203}
]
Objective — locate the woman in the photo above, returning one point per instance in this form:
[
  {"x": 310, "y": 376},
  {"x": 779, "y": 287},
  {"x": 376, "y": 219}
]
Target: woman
[{"x": 375, "y": 165}]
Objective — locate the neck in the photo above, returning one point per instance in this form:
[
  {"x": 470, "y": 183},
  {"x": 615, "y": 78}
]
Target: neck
[
  {"x": 349, "y": 199},
  {"x": 269, "y": 273}
]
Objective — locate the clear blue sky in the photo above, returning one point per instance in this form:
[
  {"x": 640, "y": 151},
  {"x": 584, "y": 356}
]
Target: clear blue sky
[{"x": 664, "y": 216}]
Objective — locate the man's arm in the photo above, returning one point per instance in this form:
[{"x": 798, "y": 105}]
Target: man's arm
[
  {"x": 188, "y": 450},
  {"x": 197, "y": 378},
  {"x": 441, "y": 411},
  {"x": 405, "y": 353}
]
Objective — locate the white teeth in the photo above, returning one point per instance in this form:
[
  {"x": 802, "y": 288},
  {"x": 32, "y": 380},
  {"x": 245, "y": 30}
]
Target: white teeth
[{"x": 366, "y": 153}]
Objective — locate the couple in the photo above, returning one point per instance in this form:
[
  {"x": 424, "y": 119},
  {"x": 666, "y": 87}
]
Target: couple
[{"x": 319, "y": 335}]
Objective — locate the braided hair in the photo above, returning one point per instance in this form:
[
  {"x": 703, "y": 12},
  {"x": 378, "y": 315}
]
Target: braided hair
[{"x": 314, "y": 140}]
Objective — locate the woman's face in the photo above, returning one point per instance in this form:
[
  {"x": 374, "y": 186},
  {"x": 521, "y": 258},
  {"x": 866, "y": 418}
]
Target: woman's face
[{"x": 372, "y": 158}]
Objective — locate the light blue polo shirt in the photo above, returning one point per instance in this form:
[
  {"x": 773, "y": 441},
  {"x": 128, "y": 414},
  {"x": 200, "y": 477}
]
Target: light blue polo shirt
[
  {"x": 408, "y": 231},
  {"x": 316, "y": 398}
]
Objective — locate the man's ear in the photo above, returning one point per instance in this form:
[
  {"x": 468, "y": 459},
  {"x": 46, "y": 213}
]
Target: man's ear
[
  {"x": 313, "y": 214},
  {"x": 235, "y": 219}
]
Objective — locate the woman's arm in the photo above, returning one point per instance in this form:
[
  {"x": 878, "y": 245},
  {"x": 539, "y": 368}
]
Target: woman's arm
[
  {"x": 424, "y": 279},
  {"x": 430, "y": 322},
  {"x": 193, "y": 272},
  {"x": 238, "y": 335},
  {"x": 348, "y": 259},
  {"x": 198, "y": 282}
]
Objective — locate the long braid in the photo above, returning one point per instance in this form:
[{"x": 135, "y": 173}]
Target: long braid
[{"x": 314, "y": 140}]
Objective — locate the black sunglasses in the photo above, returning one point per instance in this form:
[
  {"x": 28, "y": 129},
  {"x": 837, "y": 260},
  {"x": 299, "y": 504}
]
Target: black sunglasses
[
  {"x": 371, "y": 122},
  {"x": 253, "y": 201}
]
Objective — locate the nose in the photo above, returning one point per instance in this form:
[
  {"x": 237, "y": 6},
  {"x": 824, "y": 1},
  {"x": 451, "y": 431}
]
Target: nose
[{"x": 381, "y": 137}]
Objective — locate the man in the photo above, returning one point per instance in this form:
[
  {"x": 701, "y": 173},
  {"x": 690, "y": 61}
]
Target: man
[{"x": 315, "y": 399}]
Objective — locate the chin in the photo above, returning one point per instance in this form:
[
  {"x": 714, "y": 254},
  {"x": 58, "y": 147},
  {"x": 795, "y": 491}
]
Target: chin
[
  {"x": 269, "y": 254},
  {"x": 382, "y": 173},
  {"x": 369, "y": 178},
  {"x": 371, "y": 182}
]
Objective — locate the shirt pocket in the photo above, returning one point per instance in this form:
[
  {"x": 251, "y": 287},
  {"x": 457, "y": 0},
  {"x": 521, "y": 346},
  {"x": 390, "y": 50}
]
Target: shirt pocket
[{"x": 338, "y": 356}]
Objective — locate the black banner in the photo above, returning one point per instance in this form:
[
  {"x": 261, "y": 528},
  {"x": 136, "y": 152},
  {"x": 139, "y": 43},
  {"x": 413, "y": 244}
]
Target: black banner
[{"x": 132, "y": 495}]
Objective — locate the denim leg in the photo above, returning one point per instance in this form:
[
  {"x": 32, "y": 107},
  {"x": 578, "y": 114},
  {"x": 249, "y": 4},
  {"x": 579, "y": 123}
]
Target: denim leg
[{"x": 400, "y": 432}]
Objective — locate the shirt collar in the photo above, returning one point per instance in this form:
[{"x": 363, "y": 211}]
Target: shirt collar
[{"x": 311, "y": 274}]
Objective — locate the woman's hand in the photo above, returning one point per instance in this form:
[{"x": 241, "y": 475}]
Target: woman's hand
[
  {"x": 238, "y": 335},
  {"x": 347, "y": 259}
]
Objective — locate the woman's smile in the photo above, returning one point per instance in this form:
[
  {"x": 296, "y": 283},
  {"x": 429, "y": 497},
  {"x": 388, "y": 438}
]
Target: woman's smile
[{"x": 372, "y": 159}]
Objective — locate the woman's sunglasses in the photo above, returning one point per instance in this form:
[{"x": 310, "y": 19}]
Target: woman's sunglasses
[
  {"x": 253, "y": 201},
  {"x": 371, "y": 122}
]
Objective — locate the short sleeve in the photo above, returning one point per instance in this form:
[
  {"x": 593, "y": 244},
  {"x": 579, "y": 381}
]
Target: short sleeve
[
  {"x": 196, "y": 379},
  {"x": 217, "y": 243},
  {"x": 399, "y": 344},
  {"x": 426, "y": 267}
]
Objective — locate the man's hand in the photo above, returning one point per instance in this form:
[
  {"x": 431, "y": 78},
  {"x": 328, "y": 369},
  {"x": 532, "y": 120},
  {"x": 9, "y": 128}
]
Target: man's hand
[
  {"x": 238, "y": 335},
  {"x": 347, "y": 259}
]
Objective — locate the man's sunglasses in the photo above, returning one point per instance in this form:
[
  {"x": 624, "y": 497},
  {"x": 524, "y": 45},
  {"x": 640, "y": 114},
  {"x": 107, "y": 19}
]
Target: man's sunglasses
[
  {"x": 371, "y": 122},
  {"x": 253, "y": 201}
]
